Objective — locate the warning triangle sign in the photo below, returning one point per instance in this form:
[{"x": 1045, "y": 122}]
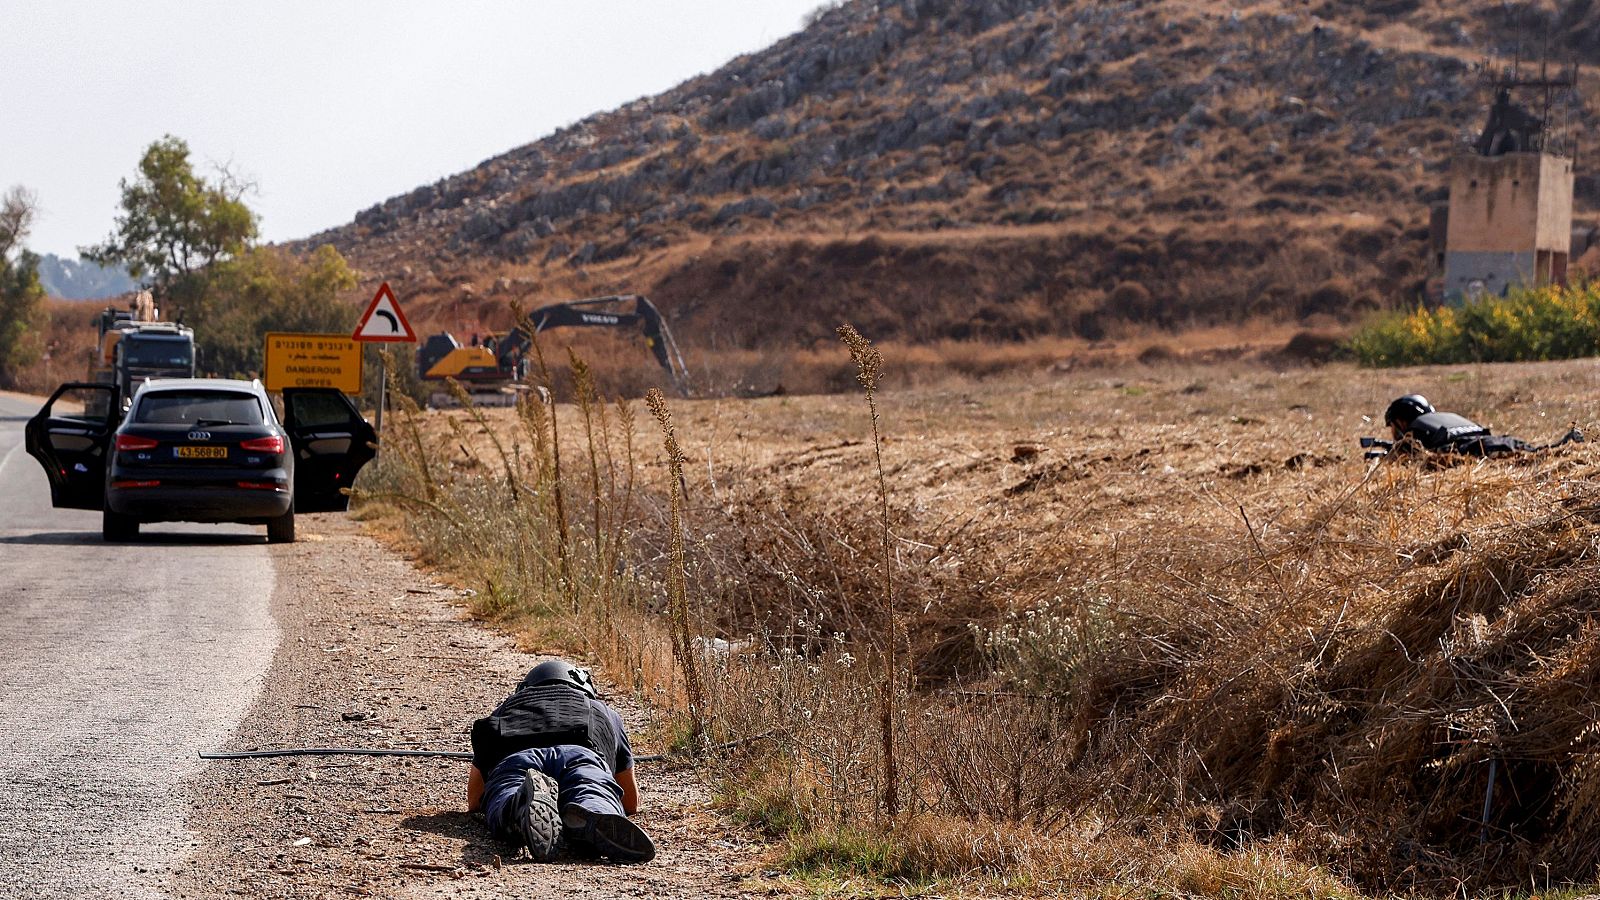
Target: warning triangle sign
[{"x": 383, "y": 320}]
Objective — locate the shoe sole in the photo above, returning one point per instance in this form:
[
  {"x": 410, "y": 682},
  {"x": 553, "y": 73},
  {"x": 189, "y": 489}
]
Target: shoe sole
[
  {"x": 540, "y": 823},
  {"x": 616, "y": 837}
]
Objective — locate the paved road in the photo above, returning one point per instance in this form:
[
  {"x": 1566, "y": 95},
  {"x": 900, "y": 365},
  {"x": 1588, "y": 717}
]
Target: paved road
[{"x": 119, "y": 661}]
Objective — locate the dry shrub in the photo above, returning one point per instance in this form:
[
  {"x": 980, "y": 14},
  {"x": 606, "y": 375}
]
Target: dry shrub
[
  {"x": 1368, "y": 243},
  {"x": 1314, "y": 347},
  {"x": 1326, "y": 682},
  {"x": 817, "y": 762},
  {"x": 1131, "y": 299},
  {"x": 1156, "y": 354},
  {"x": 1086, "y": 860},
  {"x": 997, "y": 756},
  {"x": 1332, "y": 296},
  {"x": 777, "y": 566}
]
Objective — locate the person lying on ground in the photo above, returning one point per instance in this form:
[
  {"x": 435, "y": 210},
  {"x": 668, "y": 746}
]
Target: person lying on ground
[
  {"x": 552, "y": 767},
  {"x": 1416, "y": 425}
]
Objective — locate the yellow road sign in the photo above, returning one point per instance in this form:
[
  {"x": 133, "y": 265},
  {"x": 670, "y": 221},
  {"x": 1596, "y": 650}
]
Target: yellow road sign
[{"x": 312, "y": 360}]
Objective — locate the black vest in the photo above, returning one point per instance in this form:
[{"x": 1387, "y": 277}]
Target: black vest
[
  {"x": 546, "y": 715},
  {"x": 1446, "y": 431}
]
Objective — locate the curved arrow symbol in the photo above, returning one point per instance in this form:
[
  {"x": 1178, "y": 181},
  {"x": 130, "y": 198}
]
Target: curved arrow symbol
[{"x": 394, "y": 324}]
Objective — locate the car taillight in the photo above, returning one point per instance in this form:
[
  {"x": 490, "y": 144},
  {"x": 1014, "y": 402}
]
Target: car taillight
[
  {"x": 272, "y": 444},
  {"x": 261, "y": 485},
  {"x": 135, "y": 484},
  {"x": 134, "y": 442}
]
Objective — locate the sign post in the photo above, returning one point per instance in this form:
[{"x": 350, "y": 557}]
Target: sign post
[{"x": 383, "y": 322}]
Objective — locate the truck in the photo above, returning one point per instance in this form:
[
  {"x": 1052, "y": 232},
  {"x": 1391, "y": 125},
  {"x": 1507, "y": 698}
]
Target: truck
[{"x": 132, "y": 350}]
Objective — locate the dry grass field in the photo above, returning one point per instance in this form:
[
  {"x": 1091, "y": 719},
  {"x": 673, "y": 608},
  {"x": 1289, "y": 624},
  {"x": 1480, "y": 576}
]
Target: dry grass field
[{"x": 1159, "y": 627}]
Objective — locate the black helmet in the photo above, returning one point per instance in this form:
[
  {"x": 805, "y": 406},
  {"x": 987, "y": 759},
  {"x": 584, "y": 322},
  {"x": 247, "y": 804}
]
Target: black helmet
[
  {"x": 559, "y": 671},
  {"x": 1405, "y": 409}
]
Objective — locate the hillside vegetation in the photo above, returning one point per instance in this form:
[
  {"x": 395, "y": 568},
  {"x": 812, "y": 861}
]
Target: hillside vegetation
[{"x": 995, "y": 169}]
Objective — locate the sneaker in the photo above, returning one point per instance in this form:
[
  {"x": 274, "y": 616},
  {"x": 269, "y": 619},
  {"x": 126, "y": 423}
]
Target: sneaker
[
  {"x": 536, "y": 818},
  {"x": 611, "y": 835}
]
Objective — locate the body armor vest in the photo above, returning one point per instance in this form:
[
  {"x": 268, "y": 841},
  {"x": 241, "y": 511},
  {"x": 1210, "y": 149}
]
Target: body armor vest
[
  {"x": 546, "y": 715},
  {"x": 1445, "y": 431}
]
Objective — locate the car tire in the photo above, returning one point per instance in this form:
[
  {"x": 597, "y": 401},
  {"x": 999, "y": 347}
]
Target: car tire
[
  {"x": 281, "y": 529},
  {"x": 118, "y": 527}
]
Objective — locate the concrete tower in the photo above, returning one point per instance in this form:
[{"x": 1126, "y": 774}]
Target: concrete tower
[{"x": 1510, "y": 219}]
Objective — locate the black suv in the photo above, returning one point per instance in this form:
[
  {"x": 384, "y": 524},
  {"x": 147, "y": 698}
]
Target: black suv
[{"x": 199, "y": 450}]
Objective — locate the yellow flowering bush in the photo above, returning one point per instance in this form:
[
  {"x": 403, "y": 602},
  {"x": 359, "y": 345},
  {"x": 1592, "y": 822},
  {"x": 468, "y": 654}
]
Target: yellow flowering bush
[{"x": 1543, "y": 323}]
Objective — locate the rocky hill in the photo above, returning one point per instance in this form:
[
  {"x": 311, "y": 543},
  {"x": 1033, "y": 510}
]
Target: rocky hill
[{"x": 992, "y": 169}]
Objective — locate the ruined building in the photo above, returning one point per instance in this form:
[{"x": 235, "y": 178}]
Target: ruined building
[{"x": 1510, "y": 214}]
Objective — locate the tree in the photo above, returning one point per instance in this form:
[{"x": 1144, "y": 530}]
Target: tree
[
  {"x": 175, "y": 225},
  {"x": 21, "y": 298},
  {"x": 271, "y": 290},
  {"x": 193, "y": 241}
]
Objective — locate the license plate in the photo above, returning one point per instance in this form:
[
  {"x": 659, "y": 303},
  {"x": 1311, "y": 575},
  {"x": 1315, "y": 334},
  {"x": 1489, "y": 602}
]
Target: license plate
[{"x": 198, "y": 452}]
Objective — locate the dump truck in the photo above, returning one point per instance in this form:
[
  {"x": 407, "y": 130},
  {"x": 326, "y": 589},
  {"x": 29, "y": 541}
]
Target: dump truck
[{"x": 132, "y": 350}]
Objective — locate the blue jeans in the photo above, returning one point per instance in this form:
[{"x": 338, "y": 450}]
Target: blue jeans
[{"x": 579, "y": 772}]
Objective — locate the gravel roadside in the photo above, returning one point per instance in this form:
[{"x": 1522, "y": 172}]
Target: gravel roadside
[{"x": 375, "y": 653}]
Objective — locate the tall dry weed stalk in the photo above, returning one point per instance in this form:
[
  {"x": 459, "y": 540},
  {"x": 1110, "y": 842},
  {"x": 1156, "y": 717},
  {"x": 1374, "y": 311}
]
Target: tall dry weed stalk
[
  {"x": 584, "y": 391},
  {"x": 620, "y": 509},
  {"x": 869, "y": 363},
  {"x": 410, "y": 413},
  {"x": 465, "y": 399},
  {"x": 677, "y": 583},
  {"x": 562, "y": 531}
]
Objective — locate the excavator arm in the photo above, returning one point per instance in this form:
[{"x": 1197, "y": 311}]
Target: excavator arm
[
  {"x": 501, "y": 357},
  {"x": 607, "y": 312}
]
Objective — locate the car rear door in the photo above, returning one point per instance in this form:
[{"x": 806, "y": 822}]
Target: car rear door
[
  {"x": 331, "y": 443},
  {"x": 70, "y": 437}
]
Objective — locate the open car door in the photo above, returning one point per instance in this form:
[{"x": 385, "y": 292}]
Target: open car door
[
  {"x": 331, "y": 443},
  {"x": 71, "y": 437}
]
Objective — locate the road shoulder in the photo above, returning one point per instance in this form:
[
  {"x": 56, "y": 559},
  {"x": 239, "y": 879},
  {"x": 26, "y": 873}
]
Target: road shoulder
[{"x": 374, "y": 653}]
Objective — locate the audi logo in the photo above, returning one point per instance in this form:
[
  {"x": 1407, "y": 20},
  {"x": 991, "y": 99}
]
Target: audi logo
[{"x": 199, "y": 435}]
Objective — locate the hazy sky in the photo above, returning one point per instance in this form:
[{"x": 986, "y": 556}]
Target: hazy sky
[{"x": 327, "y": 106}]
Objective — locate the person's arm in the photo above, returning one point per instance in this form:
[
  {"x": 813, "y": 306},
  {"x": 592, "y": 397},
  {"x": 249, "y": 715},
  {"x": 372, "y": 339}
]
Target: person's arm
[
  {"x": 475, "y": 789},
  {"x": 630, "y": 791}
]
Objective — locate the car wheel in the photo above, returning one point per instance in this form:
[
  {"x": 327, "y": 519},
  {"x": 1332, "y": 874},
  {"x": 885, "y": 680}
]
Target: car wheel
[
  {"x": 118, "y": 527},
  {"x": 281, "y": 529}
]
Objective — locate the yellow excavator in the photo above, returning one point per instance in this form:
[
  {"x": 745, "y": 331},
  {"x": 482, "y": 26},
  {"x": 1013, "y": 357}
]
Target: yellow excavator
[{"x": 501, "y": 360}]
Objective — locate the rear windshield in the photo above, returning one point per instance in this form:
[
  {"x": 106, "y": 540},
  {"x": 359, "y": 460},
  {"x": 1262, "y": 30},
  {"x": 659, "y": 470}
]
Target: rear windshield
[
  {"x": 198, "y": 408},
  {"x": 176, "y": 353}
]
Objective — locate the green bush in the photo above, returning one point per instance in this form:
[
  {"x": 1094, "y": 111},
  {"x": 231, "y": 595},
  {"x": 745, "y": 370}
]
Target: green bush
[{"x": 1543, "y": 323}]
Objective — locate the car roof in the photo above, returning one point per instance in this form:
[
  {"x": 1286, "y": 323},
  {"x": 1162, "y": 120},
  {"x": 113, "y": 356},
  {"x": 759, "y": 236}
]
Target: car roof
[{"x": 204, "y": 384}]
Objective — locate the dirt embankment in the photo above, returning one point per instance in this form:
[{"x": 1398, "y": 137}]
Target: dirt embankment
[{"x": 378, "y": 654}]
